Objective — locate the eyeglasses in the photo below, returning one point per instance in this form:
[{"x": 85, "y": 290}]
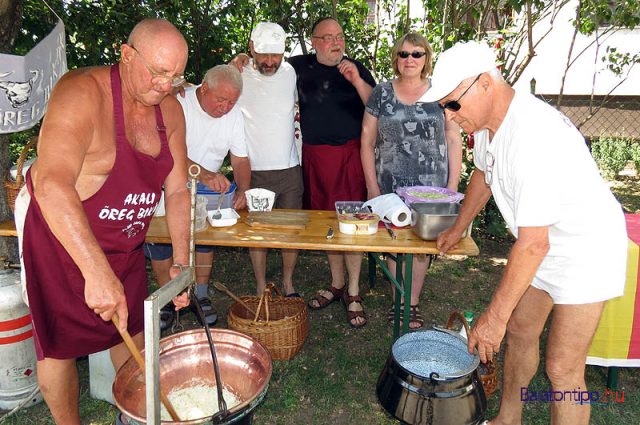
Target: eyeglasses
[
  {"x": 330, "y": 38},
  {"x": 488, "y": 172},
  {"x": 162, "y": 78},
  {"x": 454, "y": 105},
  {"x": 415, "y": 54}
]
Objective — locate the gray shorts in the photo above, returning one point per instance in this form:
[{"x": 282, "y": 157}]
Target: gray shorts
[{"x": 287, "y": 185}]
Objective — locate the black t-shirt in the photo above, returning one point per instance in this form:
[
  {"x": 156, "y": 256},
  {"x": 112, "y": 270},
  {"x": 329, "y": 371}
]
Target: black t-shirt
[{"x": 330, "y": 108}]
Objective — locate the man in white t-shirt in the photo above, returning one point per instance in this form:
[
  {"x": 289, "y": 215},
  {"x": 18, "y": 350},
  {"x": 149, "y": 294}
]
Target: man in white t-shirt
[
  {"x": 267, "y": 103},
  {"x": 215, "y": 128},
  {"x": 571, "y": 247}
]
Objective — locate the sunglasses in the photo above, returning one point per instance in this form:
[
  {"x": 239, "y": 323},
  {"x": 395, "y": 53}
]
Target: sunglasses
[
  {"x": 454, "y": 105},
  {"x": 416, "y": 55}
]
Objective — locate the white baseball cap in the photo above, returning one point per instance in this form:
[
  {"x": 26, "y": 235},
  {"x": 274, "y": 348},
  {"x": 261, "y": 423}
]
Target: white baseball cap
[
  {"x": 456, "y": 64},
  {"x": 267, "y": 38}
]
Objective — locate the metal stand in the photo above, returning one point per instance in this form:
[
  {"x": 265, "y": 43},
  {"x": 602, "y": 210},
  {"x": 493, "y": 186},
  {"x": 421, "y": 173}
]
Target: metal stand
[{"x": 152, "y": 306}]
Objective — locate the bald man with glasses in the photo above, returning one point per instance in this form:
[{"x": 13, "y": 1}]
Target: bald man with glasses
[
  {"x": 111, "y": 139},
  {"x": 571, "y": 246}
]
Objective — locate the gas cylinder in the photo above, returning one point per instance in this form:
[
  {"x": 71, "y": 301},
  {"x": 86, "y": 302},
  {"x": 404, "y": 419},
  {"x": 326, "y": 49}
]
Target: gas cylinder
[{"x": 18, "y": 377}]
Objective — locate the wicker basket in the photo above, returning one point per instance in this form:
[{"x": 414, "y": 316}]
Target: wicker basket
[
  {"x": 488, "y": 371},
  {"x": 12, "y": 187},
  {"x": 280, "y": 324}
]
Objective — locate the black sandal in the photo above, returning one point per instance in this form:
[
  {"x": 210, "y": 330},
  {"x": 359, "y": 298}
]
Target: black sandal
[{"x": 210, "y": 315}]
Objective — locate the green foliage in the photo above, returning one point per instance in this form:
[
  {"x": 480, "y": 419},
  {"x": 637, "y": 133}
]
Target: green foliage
[
  {"x": 611, "y": 154},
  {"x": 634, "y": 150}
]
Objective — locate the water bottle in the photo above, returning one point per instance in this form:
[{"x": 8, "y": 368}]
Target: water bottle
[{"x": 468, "y": 316}]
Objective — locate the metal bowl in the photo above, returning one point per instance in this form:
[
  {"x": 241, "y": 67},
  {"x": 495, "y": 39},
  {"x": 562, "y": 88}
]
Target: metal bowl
[
  {"x": 428, "y": 219},
  {"x": 245, "y": 369}
]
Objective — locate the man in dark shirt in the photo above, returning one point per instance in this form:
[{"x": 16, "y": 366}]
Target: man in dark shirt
[{"x": 332, "y": 92}]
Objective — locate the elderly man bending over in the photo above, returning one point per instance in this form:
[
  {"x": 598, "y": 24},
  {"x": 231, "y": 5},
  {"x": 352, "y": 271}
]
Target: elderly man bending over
[
  {"x": 562, "y": 260},
  {"x": 215, "y": 127},
  {"x": 111, "y": 139}
]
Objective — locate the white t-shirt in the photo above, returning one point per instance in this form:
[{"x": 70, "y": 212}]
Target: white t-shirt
[
  {"x": 544, "y": 175},
  {"x": 209, "y": 139},
  {"x": 267, "y": 103}
]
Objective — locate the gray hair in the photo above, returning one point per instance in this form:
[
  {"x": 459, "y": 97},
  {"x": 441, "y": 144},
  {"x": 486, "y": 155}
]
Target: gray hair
[{"x": 219, "y": 73}]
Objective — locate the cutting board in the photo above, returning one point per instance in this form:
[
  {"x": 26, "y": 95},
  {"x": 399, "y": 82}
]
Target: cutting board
[{"x": 277, "y": 219}]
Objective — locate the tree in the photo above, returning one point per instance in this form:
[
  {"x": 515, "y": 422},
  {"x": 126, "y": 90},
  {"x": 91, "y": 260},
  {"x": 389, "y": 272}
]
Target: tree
[{"x": 10, "y": 22}]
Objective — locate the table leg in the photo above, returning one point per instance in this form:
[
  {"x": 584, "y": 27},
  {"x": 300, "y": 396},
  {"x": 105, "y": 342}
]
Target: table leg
[
  {"x": 399, "y": 259},
  {"x": 408, "y": 269},
  {"x": 402, "y": 288},
  {"x": 612, "y": 377},
  {"x": 372, "y": 269}
]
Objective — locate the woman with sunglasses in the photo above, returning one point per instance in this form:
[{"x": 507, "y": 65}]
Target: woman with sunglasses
[{"x": 384, "y": 135}]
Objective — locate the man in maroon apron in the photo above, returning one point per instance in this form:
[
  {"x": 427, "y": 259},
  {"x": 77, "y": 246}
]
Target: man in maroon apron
[{"x": 109, "y": 142}]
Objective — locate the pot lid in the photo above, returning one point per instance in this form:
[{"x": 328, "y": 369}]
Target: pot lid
[{"x": 443, "y": 352}]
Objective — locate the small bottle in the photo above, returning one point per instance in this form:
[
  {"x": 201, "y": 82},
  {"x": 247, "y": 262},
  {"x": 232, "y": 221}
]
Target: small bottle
[{"x": 468, "y": 316}]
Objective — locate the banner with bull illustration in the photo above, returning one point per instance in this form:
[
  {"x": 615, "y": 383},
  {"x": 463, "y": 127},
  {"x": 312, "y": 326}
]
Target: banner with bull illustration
[{"x": 26, "y": 81}]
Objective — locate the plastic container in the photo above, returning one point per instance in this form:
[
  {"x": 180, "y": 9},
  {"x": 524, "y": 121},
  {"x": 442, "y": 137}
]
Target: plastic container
[
  {"x": 101, "y": 376},
  {"x": 413, "y": 194},
  {"x": 353, "y": 220},
  {"x": 212, "y": 196},
  {"x": 201, "y": 212},
  {"x": 229, "y": 218}
]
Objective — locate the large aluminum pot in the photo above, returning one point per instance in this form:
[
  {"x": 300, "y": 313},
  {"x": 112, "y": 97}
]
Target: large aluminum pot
[
  {"x": 245, "y": 369},
  {"x": 430, "y": 378}
]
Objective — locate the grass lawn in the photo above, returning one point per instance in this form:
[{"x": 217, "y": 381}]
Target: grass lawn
[{"x": 332, "y": 380}]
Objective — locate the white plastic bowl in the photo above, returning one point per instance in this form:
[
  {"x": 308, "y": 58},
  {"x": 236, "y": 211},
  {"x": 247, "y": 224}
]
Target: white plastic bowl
[{"x": 229, "y": 217}]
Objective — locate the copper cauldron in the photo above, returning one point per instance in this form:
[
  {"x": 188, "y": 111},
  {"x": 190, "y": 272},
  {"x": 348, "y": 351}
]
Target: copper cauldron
[{"x": 245, "y": 369}]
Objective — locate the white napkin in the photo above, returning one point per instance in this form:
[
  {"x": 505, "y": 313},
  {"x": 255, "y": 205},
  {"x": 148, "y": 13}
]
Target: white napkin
[{"x": 390, "y": 208}]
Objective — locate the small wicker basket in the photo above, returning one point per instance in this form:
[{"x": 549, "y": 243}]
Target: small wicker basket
[
  {"x": 280, "y": 324},
  {"x": 488, "y": 371},
  {"x": 12, "y": 187}
]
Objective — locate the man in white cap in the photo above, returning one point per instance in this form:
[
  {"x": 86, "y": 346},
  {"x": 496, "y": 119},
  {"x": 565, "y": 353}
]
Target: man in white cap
[
  {"x": 570, "y": 249},
  {"x": 267, "y": 103}
]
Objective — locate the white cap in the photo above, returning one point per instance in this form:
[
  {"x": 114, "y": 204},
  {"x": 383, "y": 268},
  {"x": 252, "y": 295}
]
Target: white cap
[
  {"x": 267, "y": 38},
  {"x": 456, "y": 64}
]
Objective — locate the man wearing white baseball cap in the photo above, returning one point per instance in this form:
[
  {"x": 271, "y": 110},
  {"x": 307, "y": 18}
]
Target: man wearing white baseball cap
[
  {"x": 522, "y": 147},
  {"x": 268, "y": 104}
]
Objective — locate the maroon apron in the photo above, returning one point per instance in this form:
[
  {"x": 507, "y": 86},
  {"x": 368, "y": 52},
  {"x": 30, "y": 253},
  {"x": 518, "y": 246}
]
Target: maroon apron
[
  {"x": 332, "y": 173},
  {"x": 119, "y": 214}
]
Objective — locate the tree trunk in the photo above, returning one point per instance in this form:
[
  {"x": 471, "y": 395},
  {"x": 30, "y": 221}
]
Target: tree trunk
[{"x": 10, "y": 23}]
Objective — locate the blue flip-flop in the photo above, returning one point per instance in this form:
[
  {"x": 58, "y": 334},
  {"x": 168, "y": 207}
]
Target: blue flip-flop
[{"x": 293, "y": 295}]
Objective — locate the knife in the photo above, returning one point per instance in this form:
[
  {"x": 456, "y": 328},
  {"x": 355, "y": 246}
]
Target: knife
[
  {"x": 330, "y": 233},
  {"x": 386, "y": 225},
  {"x": 389, "y": 229}
]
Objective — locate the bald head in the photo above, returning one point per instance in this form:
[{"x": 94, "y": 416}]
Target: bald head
[
  {"x": 149, "y": 30},
  {"x": 153, "y": 59}
]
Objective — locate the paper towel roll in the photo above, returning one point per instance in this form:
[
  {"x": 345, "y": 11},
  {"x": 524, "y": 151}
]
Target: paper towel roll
[{"x": 391, "y": 208}]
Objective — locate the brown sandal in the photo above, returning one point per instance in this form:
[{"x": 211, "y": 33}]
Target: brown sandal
[
  {"x": 414, "y": 316},
  {"x": 324, "y": 301},
  {"x": 347, "y": 300}
]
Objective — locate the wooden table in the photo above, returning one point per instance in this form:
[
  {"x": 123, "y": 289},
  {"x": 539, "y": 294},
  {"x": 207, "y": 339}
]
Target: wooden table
[{"x": 313, "y": 237}]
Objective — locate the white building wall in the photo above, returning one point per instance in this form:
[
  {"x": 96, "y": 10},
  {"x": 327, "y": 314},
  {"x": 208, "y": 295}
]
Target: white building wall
[{"x": 550, "y": 62}]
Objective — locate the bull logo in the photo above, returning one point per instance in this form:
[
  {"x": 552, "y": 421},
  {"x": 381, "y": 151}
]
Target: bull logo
[{"x": 18, "y": 93}]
